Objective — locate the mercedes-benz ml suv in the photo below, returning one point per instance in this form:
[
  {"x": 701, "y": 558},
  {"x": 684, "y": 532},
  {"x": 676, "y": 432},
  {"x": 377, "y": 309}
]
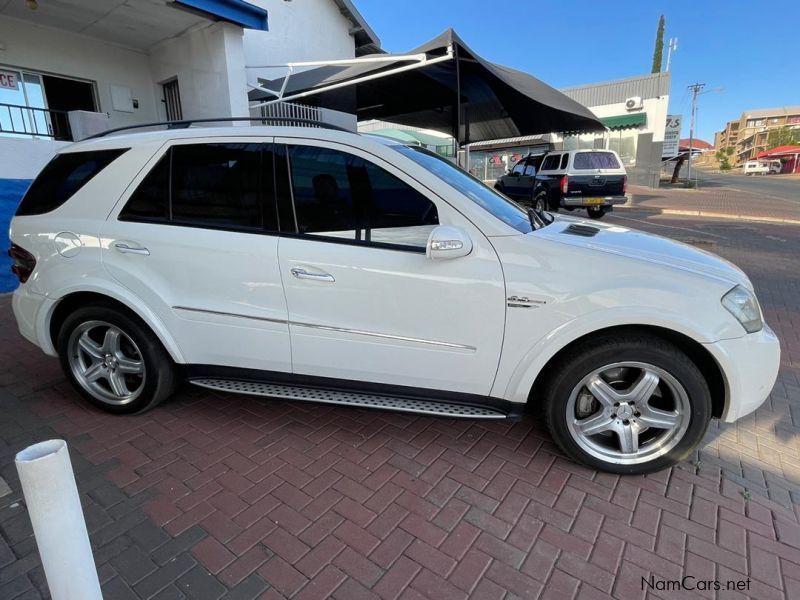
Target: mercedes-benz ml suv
[{"x": 325, "y": 266}]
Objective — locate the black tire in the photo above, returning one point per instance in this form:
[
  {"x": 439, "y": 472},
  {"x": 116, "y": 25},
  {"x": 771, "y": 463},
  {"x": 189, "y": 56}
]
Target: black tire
[
  {"x": 585, "y": 358},
  {"x": 540, "y": 201},
  {"x": 160, "y": 374},
  {"x": 596, "y": 212}
]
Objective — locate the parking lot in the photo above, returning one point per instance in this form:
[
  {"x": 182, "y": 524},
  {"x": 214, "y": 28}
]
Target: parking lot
[{"x": 221, "y": 496}]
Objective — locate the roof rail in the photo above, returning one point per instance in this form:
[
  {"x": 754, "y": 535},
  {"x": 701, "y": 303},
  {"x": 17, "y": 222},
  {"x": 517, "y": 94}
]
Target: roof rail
[{"x": 185, "y": 123}]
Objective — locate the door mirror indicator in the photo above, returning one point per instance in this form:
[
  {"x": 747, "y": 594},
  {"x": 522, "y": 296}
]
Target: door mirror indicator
[{"x": 447, "y": 241}]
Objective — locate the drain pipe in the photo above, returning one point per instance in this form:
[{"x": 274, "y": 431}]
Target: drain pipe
[{"x": 54, "y": 506}]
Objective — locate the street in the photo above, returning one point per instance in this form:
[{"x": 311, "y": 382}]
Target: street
[
  {"x": 774, "y": 186},
  {"x": 214, "y": 495}
]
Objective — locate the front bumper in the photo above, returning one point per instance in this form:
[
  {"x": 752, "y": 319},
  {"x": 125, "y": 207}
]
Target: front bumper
[
  {"x": 587, "y": 201},
  {"x": 750, "y": 365},
  {"x": 31, "y": 310}
]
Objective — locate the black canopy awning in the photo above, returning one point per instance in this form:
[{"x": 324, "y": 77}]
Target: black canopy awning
[{"x": 468, "y": 96}]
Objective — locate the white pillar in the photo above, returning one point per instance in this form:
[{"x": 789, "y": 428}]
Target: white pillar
[{"x": 54, "y": 506}]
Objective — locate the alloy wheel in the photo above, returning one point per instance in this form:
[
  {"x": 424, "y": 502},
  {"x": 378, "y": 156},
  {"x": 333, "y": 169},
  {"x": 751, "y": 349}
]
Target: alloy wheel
[
  {"x": 628, "y": 412},
  {"x": 106, "y": 362}
]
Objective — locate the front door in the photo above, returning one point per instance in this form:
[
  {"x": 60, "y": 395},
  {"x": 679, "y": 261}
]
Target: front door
[
  {"x": 196, "y": 242},
  {"x": 364, "y": 302}
]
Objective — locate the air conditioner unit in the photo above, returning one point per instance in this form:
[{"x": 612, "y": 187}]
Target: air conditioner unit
[{"x": 634, "y": 103}]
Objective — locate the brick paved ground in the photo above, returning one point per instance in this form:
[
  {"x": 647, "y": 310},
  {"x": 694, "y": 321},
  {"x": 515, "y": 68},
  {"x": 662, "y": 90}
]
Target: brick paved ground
[
  {"x": 214, "y": 496},
  {"x": 716, "y": 200}
]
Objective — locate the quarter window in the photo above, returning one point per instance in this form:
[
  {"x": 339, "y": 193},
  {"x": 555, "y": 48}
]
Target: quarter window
[
  {"x": 342, "y": 196},
  {"x": 63, "y": 177},
  {"x": 218, "y": 186},
  {"x": 551, "y": 162},
  {"x": 564, "y": 161}
]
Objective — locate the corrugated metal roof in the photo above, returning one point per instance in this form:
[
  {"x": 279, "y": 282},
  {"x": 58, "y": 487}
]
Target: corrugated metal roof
[{"x": 619, "y": 90}]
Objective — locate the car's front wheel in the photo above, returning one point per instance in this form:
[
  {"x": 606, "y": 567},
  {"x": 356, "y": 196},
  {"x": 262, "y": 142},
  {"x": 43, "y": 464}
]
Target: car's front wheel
[
  {"x": 114, "y": 360},
  {"x": 627, "y": 404}
]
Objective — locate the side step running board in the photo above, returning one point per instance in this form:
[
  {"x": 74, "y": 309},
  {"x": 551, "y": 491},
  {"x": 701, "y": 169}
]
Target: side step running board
[{"x": 347, "y": 398}]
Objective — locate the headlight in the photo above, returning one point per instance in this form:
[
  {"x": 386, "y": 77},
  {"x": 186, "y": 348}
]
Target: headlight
[{"x": 743, "y": 305}]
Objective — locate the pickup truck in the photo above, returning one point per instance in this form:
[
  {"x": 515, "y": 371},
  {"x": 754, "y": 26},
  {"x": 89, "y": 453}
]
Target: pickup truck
[{"x": 570, "y": 179}]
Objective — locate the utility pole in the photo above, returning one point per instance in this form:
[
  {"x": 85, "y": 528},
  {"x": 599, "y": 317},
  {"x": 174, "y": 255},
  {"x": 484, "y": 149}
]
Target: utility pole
[
  {"x": 673, "y": 45},
  {"x": 696, "y": 88}
]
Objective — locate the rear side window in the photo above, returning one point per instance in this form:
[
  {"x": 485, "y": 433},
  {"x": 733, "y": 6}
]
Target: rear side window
[
  {"x": 217, "y": 186},
  {"x": 564, "y": 161},
  {"x": 595, "y": 160},
  {"x": 551, "y": 162},
  {"x": 63, "y": 177}
]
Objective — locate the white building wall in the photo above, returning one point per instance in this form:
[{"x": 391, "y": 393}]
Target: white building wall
[
  {"x": 303, "y": 30},
  {"x": 209, "y": 64},
  {"x": 23, "y": 158},
  {"x": 655, "y": 108},
  {"x": 54, "y": 51}
]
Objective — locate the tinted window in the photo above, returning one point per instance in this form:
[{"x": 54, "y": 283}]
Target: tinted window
[
  {"x": 226, "y": 186},
  {"x": 343, "y": 196},
  {"x": 595, "y": 160},
  {"x": 62, "y": 177},
  {"x": 564, "y": 161},
  {"x": 474, "y": 189},
  {"x": 551, "y": 162},
  {"x": 218, "y": 185},
  {"x": 150, "y": 201}
]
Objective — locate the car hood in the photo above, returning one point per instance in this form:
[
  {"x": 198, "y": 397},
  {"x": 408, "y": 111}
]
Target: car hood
[{"x": 633, "y": 244}]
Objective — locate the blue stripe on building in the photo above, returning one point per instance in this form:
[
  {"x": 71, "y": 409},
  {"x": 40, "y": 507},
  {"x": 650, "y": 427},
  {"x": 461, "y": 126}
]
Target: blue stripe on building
[
  {"x": 11, "y": 192},
  {"x": 236, "y": 11}
]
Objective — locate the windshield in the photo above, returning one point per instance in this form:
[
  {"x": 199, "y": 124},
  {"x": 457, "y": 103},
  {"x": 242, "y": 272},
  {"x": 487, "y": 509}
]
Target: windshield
[{"x": 474, "y": 189}]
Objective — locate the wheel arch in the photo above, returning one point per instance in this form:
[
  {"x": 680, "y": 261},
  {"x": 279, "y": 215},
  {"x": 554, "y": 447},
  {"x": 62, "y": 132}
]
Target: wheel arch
[
  {"x": 709, "y": 367},
  {"x": 74, "y": 299}
]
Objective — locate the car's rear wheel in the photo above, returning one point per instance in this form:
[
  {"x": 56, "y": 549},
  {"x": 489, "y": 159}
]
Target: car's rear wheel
[
  {"x": 540, "y": 201},
  {"x": 629, "y": 404},
  {"x": 596, "y": 212},
  {"x": 114, "y": 360}
]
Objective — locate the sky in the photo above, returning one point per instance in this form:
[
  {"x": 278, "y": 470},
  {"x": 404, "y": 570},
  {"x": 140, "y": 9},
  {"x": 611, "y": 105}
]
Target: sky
[{"x": 733, "y": 47}]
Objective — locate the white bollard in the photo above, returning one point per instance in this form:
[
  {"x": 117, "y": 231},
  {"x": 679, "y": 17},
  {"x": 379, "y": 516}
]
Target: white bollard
[{"x": 45, "y": 472}]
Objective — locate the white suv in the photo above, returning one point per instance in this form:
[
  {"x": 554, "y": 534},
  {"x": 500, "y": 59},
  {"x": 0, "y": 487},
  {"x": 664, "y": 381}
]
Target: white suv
[{"x": 321, "y": 265}]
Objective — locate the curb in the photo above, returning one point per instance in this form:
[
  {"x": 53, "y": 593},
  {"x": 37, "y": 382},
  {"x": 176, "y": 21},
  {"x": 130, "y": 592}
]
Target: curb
[{"x": 712, "y": 215}]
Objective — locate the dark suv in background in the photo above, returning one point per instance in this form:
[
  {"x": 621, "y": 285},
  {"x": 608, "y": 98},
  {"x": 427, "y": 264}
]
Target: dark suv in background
[{"x": 590, "y": 179}]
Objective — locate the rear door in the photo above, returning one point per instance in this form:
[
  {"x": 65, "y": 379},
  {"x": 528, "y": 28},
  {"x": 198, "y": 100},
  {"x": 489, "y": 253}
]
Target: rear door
[
  {"x": 596, "y": 173},
  {"x": 365, "y": 303},
  {"x": 195, "y": 238}
]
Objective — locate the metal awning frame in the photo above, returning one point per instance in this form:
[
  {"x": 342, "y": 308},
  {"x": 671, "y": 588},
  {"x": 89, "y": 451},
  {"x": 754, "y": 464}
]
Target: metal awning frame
[{"x": 418, "y": 61}]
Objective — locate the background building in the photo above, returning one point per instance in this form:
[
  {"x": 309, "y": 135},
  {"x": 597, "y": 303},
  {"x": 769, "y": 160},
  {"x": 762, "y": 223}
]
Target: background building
[
  {"x": 633, "y": 109},
  {"x": 750, "y": 132},
  {"x": 71, "y": 68}
]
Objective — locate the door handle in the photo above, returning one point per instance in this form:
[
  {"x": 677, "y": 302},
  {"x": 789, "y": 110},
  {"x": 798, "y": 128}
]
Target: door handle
[
  {"x": 128, "y": 249},
  {"x": 303, "y": 274}
]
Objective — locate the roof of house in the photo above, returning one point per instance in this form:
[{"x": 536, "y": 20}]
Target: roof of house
[
  {"x": 696, "y": 143},
  {"x": 367, "y": 42}
]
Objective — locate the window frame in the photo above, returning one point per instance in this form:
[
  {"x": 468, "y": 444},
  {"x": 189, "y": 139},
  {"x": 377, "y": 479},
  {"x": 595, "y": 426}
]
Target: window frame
[
  {"x": 368, "y": 157},
  {"x": 164, "y": 150}
]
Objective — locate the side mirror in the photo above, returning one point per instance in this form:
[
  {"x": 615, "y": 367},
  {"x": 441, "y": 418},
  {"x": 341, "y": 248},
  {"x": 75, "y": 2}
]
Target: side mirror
[{"x": 448, "y": 241}]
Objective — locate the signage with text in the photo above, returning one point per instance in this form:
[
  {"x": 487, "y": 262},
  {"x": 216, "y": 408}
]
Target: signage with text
[
  {"x": 9, "y": 80},
  {"x": 672, "y": 136}
]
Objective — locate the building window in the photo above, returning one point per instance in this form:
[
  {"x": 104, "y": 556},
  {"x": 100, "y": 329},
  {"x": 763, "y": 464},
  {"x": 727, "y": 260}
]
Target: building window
[{"x": 36, "y": 104}]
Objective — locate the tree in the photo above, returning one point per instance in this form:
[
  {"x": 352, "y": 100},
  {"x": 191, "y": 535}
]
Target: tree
[
  {"x": 783, "y": 137},
  {"x": 658, "y": 51},
  {"x": 723, "y": 156}
]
